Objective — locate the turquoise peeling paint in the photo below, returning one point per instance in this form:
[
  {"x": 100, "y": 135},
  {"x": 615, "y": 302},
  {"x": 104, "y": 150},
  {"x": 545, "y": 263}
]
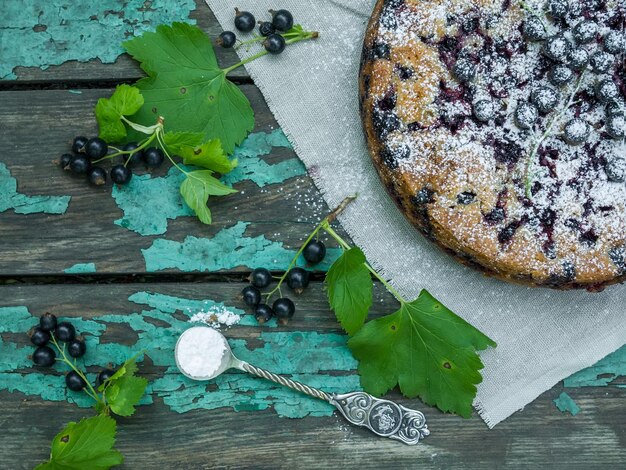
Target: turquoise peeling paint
[
  {"x": 228, "y": 249},
  {"x": 252, "y": 168},
  {"x": 50, "y": 32},
  {"x": 305, "y": 356},
  {"x": 81, "y": 268},
  {"x": 565, "y": 403},
  {"x": 139, "y": 198},
  {"x": 602, "y": 373},
  {"x": 23, "y": 204}
]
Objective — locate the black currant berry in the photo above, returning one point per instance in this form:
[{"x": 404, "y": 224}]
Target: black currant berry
[
  {"x": 616, "y": 127},
  {"x": 484, "y": 110},
  {"x": 560, "y": 75},
  {"x": 260, "y": 278},
  {"x": 39, "y": 336},
  {"x": 615, "y": 169},
  {"x": 251, "y": 296},
  {"x": 65, "y": 332},
  {"x": 227, "y": 39},
  {"x": 557, "y": 48},
  {"x": 78, "y": 145},
  {"x": 614, "y": 42},
  {"x": 282, "y": 20},
  {"x": 314, "y": 252},
  {"x": 283, "y": 310},
  {"x": 76, "y": 348},
  {"x": 601, "y": 62},
  {"x": 607, "y": 91},
  {"x": 244, "y": 21},
  {"x": 557, "y": 8},
  {"x": 97, "y": 176},
  {"x": 135, "y": 158},
  {"x": 464, "y": 70},
  {"x": 266, "y": 28},
  {"x": 274, "y": 44},
  {"x": 96, "y": 148},
  {"x": 65, "y": 159},
  {"x": 103, "y": 376},
  {"x": 578, "y": 59},
  {"x": 263, "y": 313},
  {"x": 585, "y": 32},
  {"x": 120, "y": 174},
  {"x": 44, "y": 356},
  {"x": 544, "y": 98},
  {"x": 533, "y": 29},
  {"x": 576, "y": 131},
  {"x": 153, "y": 157},
  {"x": 298, "y": 279},
  {"x": 526, "y": 115},
  {"x": 48, "y": 322},
  {"x": 79, "y": 164},
  {"x": 74, "y": 381}
]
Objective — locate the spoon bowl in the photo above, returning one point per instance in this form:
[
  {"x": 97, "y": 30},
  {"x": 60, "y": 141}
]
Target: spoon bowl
[{"x": 186, "y": 346}]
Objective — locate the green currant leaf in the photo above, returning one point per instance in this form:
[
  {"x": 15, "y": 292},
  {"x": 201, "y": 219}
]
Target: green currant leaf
[
  {"x": 123, "y": 395},
  {"x": 86, "y": 444},
  {"x": 425, "y": 349},
  {"x": 186, "y": 86},
  {"x": 197, "y": 188},
  {"x": 349, "y": 288},
  {"x": 123, "y": 390},
  {"x": 191, "y": 148},
  {"x": 125, "y": 101}
]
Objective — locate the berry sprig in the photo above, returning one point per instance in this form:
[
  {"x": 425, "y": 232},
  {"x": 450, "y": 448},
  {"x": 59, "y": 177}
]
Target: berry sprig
[
  {"x": 423, "y": 347},
  {"x": 274, "y": 35},
  {"x": 114, "y": 392}
]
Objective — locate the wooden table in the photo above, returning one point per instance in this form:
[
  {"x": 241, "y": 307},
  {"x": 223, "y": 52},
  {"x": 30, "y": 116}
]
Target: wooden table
[{"x": 137, "y": 297}]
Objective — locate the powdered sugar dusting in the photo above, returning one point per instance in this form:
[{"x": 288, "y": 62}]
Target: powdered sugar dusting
[
  {"x": 475, "y": 129},
  {"x": 216, "y": 317}
]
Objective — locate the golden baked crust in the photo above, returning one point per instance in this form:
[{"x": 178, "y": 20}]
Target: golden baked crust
[{"x": 523, "y": 205}]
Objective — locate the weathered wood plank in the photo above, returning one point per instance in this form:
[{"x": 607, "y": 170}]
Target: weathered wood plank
[
  {"x": 36, "y": 127},
  {"x": 124, "y": 69},
  {"x": 538, "y": 436}
]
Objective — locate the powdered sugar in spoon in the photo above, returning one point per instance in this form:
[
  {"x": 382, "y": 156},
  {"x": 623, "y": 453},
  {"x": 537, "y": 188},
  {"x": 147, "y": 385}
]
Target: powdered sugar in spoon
[{"x": 203, "y": 353}]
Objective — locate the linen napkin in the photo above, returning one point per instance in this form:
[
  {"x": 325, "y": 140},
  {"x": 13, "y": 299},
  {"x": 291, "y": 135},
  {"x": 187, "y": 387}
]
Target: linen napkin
[{"x": 543, "y": 335}]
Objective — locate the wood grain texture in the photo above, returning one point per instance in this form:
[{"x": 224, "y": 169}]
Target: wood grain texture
[
  {"x": 124, "y": 69},
  {"x": 43, "y": 244},
  {"x": 538, "y": 437}
]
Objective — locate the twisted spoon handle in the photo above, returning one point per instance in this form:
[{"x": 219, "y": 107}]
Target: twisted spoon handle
[
  {"x": 286, "y": 382},
  {"x": 383, "y": 417}
]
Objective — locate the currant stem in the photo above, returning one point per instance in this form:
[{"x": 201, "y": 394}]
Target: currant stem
[
  {"x": 147, "y": 141},
  {"x": 324, "y": 223},
  {"x": 546, "y": 134},
  {"x": 300, "y": 37},
  {"x": 91, "y": 392},
  {"x": 328, "y": 229}
]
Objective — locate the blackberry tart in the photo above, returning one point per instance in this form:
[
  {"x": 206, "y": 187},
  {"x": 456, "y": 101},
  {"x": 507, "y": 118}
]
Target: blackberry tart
[{"x": 498, "y": 128}]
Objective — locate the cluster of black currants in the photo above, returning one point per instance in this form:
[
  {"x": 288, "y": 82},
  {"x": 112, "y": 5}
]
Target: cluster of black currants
[
  {"x": 87, "y": 153},
  {"x": 52, "y": 331},
  {"x": 274, "y": 42},
  {"x": 297, "y": 279}
]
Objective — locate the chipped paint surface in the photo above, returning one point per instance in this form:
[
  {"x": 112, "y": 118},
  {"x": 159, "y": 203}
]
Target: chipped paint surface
[
  {"x": 81, "y": 268},
  {"x": 253, "y": 168},
  {"x": 138, "y": 199},
  {"x": 228, "y": 249},
  {"x": 309, "y": 357},
  {"x": 601, "y": 374},
  {"x": 565, "y": 403},
  {"x": 10, "y": 198},
  {"x": 51, "y": 32}
]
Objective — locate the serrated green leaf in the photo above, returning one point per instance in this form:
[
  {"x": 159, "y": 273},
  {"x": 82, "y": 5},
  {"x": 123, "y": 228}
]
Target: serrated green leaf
[
  {"x": 125, "y": 394},
  {"x": 349, "y": 288},
  {"x": 191, "y": 148},
  {"x": 425, "y": 349},
  {"x": 86, "y": 444},
  {"x": 186, "y": 86},
  {"x": 197, "y": 188},
  {"x": 125, "y": 101}
]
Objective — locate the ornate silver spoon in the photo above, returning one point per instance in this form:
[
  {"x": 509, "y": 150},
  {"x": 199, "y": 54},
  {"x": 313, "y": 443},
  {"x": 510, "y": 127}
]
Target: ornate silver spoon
[{"x": 383, "y": 417}]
